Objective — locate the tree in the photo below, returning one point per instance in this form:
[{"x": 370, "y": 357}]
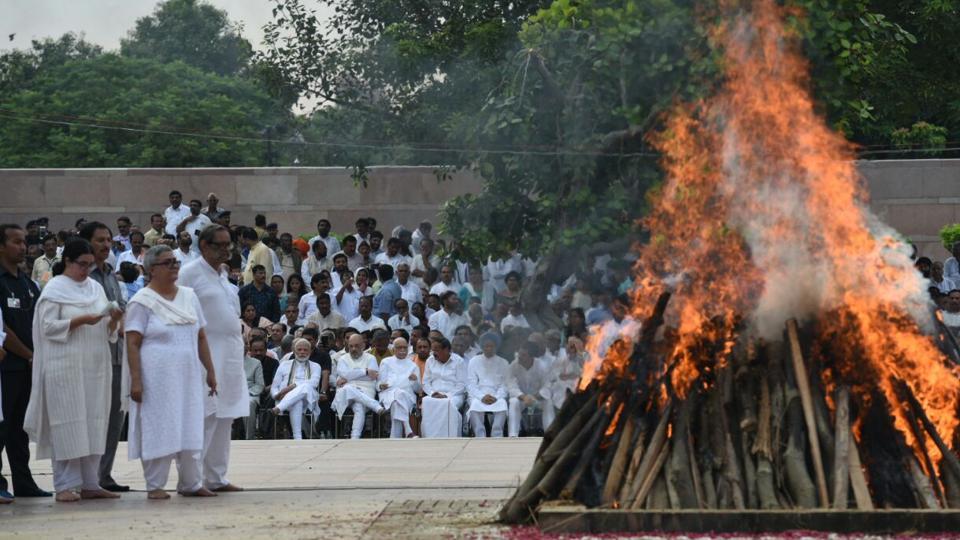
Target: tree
[
  {"x": 192, "y": 32},
  {"x": 50, "y": 123},
  {"x": 19, "y": 68}
]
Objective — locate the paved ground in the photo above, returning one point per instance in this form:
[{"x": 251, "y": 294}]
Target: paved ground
[{"x": 343, "y": 489}]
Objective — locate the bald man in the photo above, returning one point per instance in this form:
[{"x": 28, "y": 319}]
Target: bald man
[
  {"x": 399, "y": 382},
  {"x": 356, "y": 375}
]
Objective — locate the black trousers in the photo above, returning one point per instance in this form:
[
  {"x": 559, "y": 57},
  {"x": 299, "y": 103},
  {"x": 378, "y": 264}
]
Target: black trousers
[{"x": 16, "y": 395}]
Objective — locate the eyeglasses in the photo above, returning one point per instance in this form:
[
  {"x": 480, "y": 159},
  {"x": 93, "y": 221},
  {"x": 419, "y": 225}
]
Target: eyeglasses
[
  {"x": 84, "y": 265},
  {"x": 221, "y": 245},
  {"x": 171, "y": 263}
]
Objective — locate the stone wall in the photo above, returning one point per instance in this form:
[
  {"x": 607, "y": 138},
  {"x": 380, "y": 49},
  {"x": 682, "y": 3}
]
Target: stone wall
[
  {"x": 917, "y": 197},
  {"x": 295, "y": 198}
]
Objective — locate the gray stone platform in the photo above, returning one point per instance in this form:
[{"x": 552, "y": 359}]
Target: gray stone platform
[{"x": 423, "y": 488}]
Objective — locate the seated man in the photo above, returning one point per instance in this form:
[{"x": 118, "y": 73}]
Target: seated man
[
  {"x": 399, "y": 382},
  {"x": 530, "y": 380},
  {"x": 295, "y": 386},
  {"x": 488, "y": 380},
  {"x": 254, "y": 371},
  {"x": 444, "y": 387},
  {"x": 356, "y": 374},
  {"x": 366, "y": 321}
]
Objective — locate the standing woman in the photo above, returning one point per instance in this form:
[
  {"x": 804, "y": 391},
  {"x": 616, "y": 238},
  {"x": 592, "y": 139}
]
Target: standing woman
[
  {"x": 167, "y": 353},
  {"x": 70, "y": 403}
]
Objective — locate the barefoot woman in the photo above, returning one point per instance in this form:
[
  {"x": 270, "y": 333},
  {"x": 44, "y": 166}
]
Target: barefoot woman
[
  {"x": 70, "y": 403},
  {"x": 167, "y": 354}
]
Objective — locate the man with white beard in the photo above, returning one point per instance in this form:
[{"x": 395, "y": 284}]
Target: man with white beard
[
  {"x": 356, "y": 374},
  {"x": 399, "y": 382},
  {"x": 488, "y": 378},
  {"x": 221, "y": 307},
  {"x": 530, "y": 379},
  {"x": 444, "y": 387}
]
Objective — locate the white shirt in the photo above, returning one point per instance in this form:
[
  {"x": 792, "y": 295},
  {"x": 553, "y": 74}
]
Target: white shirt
[
  {"x": 394, "y": 261},
  {"x": 447, "y": 323},
  {"x": 951, "y": 269},
  {"x": 333, "y": 245},
  {"x": 349, "y": 304},
  {"x": 516, "y": 322},
  {"x": 418, "y": 265},
  {"x": 128, "y": 256},
  {"x": 440, "y": 288},
  {"x": 194, "y": 229},
  {"x": 184, "y": 258},
  {"x": 174, "y": 216},
  {"x": 532, "y": 382},
  {"x": 396, "y": 324},
  {"x": 355, "y": 371},
  {"x": 944, "y": 286},
  {"x": 448, "y": 378},
  {"x": 308, "y": 306},
  {"x": 411, "y": 292},
  {"x": 372, "y": 323}
]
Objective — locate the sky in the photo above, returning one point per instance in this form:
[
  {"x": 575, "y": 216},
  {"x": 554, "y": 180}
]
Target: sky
[{"x": 104, "y": 22}]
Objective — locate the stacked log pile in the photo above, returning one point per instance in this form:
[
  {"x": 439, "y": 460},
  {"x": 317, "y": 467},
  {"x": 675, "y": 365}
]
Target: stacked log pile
[{"x": 760, "y": 428}]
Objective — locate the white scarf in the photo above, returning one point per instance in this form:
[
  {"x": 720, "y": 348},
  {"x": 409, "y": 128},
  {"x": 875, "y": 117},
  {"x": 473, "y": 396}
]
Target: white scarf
[
  {"x": 65, "y": 290},
  {"x": 176, "y": 312},
  {"x": 297, "y": 362}
]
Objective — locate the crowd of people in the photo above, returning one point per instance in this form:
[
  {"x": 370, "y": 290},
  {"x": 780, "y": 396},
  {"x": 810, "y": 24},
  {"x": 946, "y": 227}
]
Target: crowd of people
[{"x": 197, "y": 331}]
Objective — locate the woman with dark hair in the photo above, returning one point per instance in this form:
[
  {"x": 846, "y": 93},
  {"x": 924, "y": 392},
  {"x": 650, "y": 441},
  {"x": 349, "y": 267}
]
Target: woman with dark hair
[
  {"x": 72, "y": 373},
  {"x": 576, "y": 325},
  {"x": 511, "y": 294},
  {"x": 296, "y": 286},
  {"x": 249, "y": 320},
  {"x": 278, "y": 286}
]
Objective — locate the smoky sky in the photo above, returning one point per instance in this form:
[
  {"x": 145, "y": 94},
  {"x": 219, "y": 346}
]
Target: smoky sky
[{"x": 104, "y": 22}]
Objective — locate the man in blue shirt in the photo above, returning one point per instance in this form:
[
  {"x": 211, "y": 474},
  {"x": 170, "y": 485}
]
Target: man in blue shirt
[{"x": 383, "y": 302}]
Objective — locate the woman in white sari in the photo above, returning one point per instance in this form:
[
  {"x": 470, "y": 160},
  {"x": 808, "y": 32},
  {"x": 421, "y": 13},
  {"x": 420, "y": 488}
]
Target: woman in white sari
[
  {"x": 167, "y": 354},
  {"x": 399, "y": 382},
  {"x": 70, "y": 403}
]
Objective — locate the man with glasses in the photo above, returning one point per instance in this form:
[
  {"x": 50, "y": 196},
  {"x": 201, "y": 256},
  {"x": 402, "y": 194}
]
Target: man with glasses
[
  {"x": 221, "y": 309},
  {"x": 409, "y": 290},
  {"x": 99, "y": 236}
]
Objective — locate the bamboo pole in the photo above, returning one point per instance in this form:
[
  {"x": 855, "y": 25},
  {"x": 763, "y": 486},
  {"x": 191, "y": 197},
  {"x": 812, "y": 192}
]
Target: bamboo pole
[
  {"x": 651, "y": 453},
  {"x": 948, "y": 455},
  {"x": 858, "y": 481},
  {"x": 619, "y": 466},
  {"x": 841, "y": 463},
  {"x": 651, "y": 476},
  {"x": 806, "y": 400}
]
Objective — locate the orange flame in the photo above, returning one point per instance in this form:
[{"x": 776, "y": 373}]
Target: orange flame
[{"x": 763, "y": 216}]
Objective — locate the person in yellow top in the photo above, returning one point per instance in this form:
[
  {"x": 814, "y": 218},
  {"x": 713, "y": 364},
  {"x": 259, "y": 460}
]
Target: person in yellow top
[
  {"x": 260, "y": 254},
  {"x": 43, "y": 265}
]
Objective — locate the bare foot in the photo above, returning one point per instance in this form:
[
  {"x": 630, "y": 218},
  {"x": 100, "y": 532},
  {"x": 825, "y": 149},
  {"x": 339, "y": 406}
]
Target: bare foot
[
  {"x": 67, "y": 496},
  {"x": 202, "y": 492},
  {"x": 97, "y": 494},
  {"x": 158, "y": 494},
  {"x": 228, "y": 488}
]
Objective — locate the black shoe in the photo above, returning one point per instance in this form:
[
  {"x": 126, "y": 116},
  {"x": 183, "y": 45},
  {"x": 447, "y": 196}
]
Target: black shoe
[
  {"x": 116, "y": 488},
  {"x": 35, "y": 492}
]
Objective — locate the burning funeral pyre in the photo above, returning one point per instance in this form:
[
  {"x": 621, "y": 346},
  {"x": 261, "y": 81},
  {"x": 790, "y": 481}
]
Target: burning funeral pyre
[{"x": 724, "y": 400}]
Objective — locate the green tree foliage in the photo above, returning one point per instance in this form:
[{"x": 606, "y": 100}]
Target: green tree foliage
[
  {"x": 19, "y": 68},
  {"x": 192, "y": 32},
  {"x": 145, "y": 94}
]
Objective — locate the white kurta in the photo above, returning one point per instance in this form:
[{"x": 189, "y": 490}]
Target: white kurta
[
  {"x": 534, "y": 381},
  {"x": 169, "y": 418},
  {"x": 221, "y": 309},
  {"x": 72, "y": 373},
  {"x": 306, "y": 375},
  {"x": 441, "y": 416},
  {"x": 566, "y": 373},
  {"x": 396, "y": 372},
  {"x": 488, "y": 376},
  {"x": 355, "y": 373},
  {"x": 447, "y": 323}
]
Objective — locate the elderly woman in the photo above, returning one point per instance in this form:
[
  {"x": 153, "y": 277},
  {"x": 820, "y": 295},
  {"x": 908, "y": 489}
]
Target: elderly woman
[
  {"x": 70, "y": 403},
  {"x": 167, "y": 354},
  {"x": 399, "y": 382},
  {"x": 567, "y": 370},
  {"x": 295, "y": 386}
]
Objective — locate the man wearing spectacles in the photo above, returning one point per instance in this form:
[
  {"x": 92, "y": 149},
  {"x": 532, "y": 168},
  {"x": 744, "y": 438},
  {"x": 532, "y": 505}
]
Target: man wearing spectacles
[{"x": 209, "y": 279}]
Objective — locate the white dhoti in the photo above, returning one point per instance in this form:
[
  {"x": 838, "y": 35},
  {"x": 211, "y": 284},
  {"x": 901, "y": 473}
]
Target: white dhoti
[
  {"x": 296, "y": 403},
  {"x": 479, "y": 409},
  {"x": 399, "y": 401},
  {"x": 441, "y": 416},
  {"x": 216, "y": 451},
  {"x": 515, "y": 415},
  {"x": 355, "y": 399}
]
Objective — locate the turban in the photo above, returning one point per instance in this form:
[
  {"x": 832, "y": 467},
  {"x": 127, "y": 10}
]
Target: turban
[
  {"x": 491, "y": 337},
  {"x": 301, "y": 246}
]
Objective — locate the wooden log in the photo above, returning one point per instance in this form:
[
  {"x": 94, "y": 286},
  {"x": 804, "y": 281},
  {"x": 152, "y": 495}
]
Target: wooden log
[
  {"x": 515, "y": 511},
  {"x": 762, "y": 449},
  {"x": 618, "y": 468},
  {"x": 951, "y": 484},
  {"x": 650, "y": 454},
  {"x": 921, "y": 447},
  {"x": 652, "y": 476},
  {"x": 583, "y": 462},
  {"x": 749, "y": 473},
  {"x": 679, "y": 476},
  {"x": 695, "y": 471},
  {"x": 798, "y": 481},
  {"x": 706, "y": 457},
  {"x": 806, "y": 400},
  {"x": 858, "y": 480},
  {"x": 921, "y": 485},
  {"x": 635, "y": 457},
  {"x": 949, "y": 456},
  {"x": 841, "y": 462}
]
